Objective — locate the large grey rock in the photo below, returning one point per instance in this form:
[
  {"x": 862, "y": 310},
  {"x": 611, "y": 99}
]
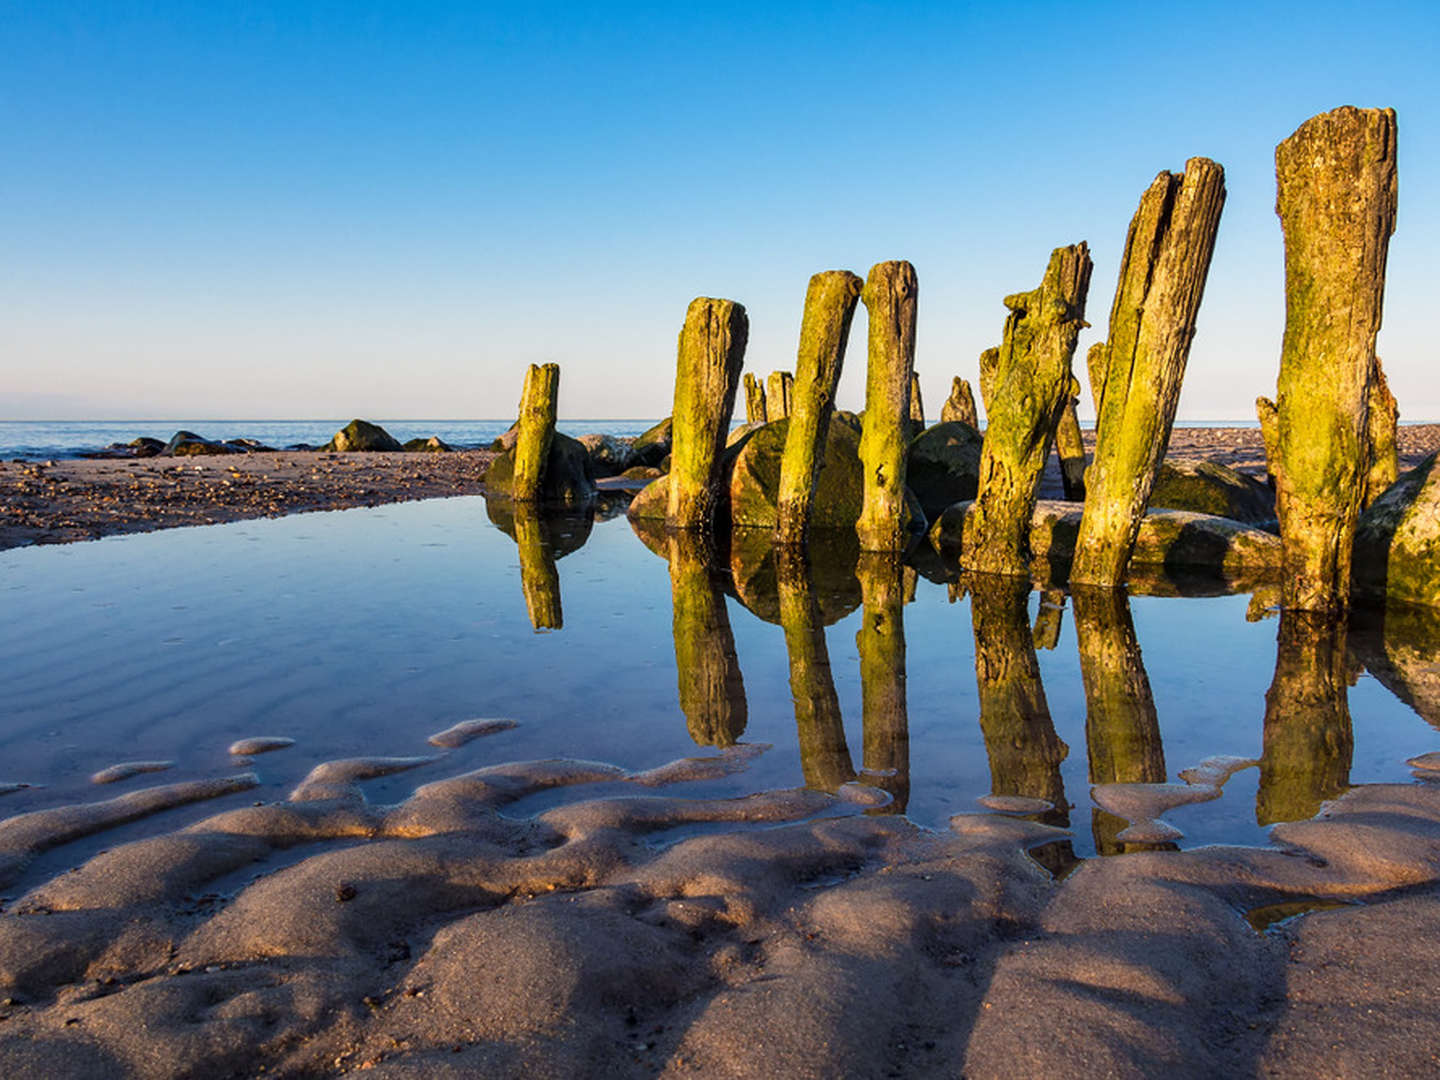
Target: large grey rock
[
  {"x": 361, "y": 435},
  {"x": 609, "y": 455},
  {"x": 1207, "y": 487},
  {"x": 569, "y": 477},
  {"x": 944, "y": 466},
  {"x": 1397, "y": 540}
]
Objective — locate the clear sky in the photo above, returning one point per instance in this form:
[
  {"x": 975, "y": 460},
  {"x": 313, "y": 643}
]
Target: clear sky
[{"x": 292, "y": 209}]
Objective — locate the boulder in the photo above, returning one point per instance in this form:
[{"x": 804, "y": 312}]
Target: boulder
[
  {"x": 653, "y": 446},
  {"x": 182, "y": 437},
  {"x": 432, "y": 445},
  {"x": 641, "y": 472},
  {"x": 188, "y": 444},
  {"x": 569, "y": 477},
  {"x": 361, "y": 435},
  {"x": 1397, "y": 540},
  {"x": 1208, "y": 487},
  {"x": 249, "y": 446},
  {"x": 944, "y": 466},
  {"x": 609, "y": 455},
  {"x": 507, "y": 440},
  {"x": 754, "y": 479},
  {"x": 144, "y": 447}
]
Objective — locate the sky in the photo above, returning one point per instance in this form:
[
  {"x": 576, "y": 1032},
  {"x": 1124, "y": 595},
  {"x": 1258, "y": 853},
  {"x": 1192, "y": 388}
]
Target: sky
[{"x": 294, "y": 210}]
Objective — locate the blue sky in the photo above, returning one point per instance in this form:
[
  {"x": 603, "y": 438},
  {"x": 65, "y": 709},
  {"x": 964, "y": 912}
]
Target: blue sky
[{"x": 389, "y": 209}]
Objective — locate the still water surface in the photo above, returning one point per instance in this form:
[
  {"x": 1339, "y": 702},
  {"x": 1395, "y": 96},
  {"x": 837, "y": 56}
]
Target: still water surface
[{"x": 362, "y": 632}]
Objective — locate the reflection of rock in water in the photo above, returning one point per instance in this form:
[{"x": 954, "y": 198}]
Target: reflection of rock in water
[
  {"x": 712, "y": 691},
  {"x": 881, "y": 642},
  {"x": 1020, "y": 740},
  {"x": 1122, "y": 732},
  {"x": 1401, "y": 647},
  {"x": 1308, "y": 739},
  {"x": 542, "y": 536},
  {"x": 829, "y": 562},
  {"x": 824, "y": 756}
]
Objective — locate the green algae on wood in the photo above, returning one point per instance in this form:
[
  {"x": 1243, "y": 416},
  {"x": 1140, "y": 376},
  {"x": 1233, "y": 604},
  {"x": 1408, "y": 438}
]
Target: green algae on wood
[
  {"x": 1030, "y": 381},
  {"x": 754, "y": 399},
  {"x": 711, "y": 688},
  {"x": 1336, "y": 193},
  {"x": 890, "y": 296},
  {"x": 709, "y": 358},
  {"x": 1381, "y": 422},
  {"x": 880, "y": 642},
  {"x": 1142, "y": 365},
  {"x": 535, "y": 429},
  {"x": 1070, "y": 446},
  {"x": 830, "y": 301},
  {"x": 960, "y": 405},
  {"x": 779, "y": 386}
]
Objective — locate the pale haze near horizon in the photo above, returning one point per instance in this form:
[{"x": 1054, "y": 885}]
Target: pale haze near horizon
[{"x": 388, "y": 210}]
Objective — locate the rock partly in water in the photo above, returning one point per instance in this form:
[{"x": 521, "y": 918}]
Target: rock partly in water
[
  {"x": 754, "y": 479},
  {"x": 432, "y": 445},
  {"x": 944, "y": 466},
  {"x": 362, "y": 435},
  {"x": 1207, "y": 487},
  {"x": 653, "y": 446},
  {"x": 1397, "y": 542},
  {"x": 609, "y": 454},
  {"x": 568, "y": 478}
]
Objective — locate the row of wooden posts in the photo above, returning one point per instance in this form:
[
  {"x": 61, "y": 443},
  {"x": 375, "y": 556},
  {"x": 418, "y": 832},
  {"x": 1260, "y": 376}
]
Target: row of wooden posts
[{"x": 1329, "y": 434}]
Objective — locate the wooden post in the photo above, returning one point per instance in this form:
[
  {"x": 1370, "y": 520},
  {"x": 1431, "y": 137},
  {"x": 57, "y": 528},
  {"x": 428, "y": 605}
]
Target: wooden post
[
  {"x": 1336, "y": 200},
  {"x": 535, "y": 429},
  {"x": 1381, "y": 424},
  {"x": 778, "y": 390},
  {"x": 707, "y": 669},
  {"x": 881, "y": 644},
  {"x": 989, "y": 363},
  {"x": 890, "y": 296},
  {"x": 1152, "y": 322},
  {"x": 539, "y": 578},
  {"x": 1030, "y": 381},
  {"x": 960, "y": 405},
  {"x": 754, "y": 400},
  {"x": 824, "y": 755},
  {"x": 711, "y": 352},
  {"x": 1070, "y": 446},
  {"x": 830, "y": 303},
  {"x": 917, "y": 406}
]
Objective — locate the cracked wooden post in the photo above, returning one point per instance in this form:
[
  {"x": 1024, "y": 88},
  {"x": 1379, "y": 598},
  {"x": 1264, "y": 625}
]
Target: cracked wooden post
[
  {"x": 779, "y": 391},
  {"x": 1152, "y": 322},
  {"x": 824, "y": 755},
  {"x": 830, "y": 303},
  {"x": 917, "y": 406},
  {"x": 754, "y": 400},
  {"x": 707, "y": 669},
  {"x": 1070, "y": 446},
  {"x": 890, "y": 296},
  {"x": 1335, "y": 180},
  {"x": 960, "y": 405},
  {"x": 1381, "y": 422},
  {"x": 1030, "y": 381},
  {"x": 881, "y": 644},
  {"x": 989, "y": 361},
  {"x": 539, "y": 577},
  {"x": 710, "y": 355},
  {"x": 535, "y": 429}
]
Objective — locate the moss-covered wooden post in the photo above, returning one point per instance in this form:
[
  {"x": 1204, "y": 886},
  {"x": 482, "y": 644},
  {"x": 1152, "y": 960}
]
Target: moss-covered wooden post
[
  {"x": 779, "y": 387},
  {"x": 824, "y": 755},
  {"x": 1336, "y": 200},
  {"x": 1030, "y": 382},
  {"x": 989, "y": 364},
  {"x": 535, "y": 429},
  {"x": 830, "y": 303},
  {"x": 960, "y": 405},
  {"x": 1122, "y": 729},
  {"x": 711, "y": 353},
  {"x": 754, "y": 400},
  {"x": 881, "y": 644},
  {"x": 1020, "y": 740},
  {"x": 539, "y": 578},
  {"x": 1381, "y": 423},
  {"x": 1152, "y": 322},
  {"x": 1070, "y": 446},
  {"x": 1308, "y": 741},
  {"x": 712, "y": 691},
  {"x": 890, "y": 296},
  {"x": 917, "y": 406}
]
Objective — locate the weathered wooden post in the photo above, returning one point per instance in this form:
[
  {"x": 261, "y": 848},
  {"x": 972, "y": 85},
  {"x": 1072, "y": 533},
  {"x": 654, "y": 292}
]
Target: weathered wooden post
[
  {"x": 754, "y": 400},
  {"x": 1142, "y": 364},
  {"x": 824, "y": 755},
  {"x": 535, "y": 429},
  {"x": 1336, "y": 200},
  {"x": 960, "y": 405},
  {"x": 881, "y": 644},
  {"x": 917, "y": 406},
  {"x": 1029, "y": 383},
  {"x": 1070, "y": 446},
  {"x": 1384, "y": 416},
  {"x": 711, "y": 352},
  {"x": 890, "y": 296},
  {"x": 539, "y": 578},
  {"x": 778, "y": 390},
  {"x": 707, "y": 669},
  {"x": 989, "y": 363},
  {"x": 830, "y": 303}
]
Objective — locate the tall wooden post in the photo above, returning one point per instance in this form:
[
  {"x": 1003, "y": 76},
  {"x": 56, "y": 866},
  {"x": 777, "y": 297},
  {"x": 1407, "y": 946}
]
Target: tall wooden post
[
  {"x": 779, "y": 387},
  {"x": 1336, "y": 200},
  {"x": 917, "y": 406},
  {"x": 960, "y": 405},
  {"x": 1152, "y": 322},
  {"x": 1030, "y": 382},
  {"x": 830, "y": 303},
  {"x": 890, "y": 296},
  {"x": 754, "y": 400},
  {"x": 711, "y": 353},
  {"x": 535, "y": 430}
]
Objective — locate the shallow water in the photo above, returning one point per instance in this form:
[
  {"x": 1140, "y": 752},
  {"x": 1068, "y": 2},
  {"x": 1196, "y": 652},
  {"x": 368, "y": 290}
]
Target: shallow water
[{"x": 364, "y": 632}]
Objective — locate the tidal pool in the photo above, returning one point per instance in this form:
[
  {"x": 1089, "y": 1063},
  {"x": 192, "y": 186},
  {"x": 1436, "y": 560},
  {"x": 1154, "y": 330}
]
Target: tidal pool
[{"x": 364, "y": 632}]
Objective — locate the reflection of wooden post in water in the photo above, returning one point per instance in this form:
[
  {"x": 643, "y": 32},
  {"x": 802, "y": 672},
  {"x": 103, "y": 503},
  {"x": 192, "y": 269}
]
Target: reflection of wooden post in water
[
  {"x": 1122, "y": 732},
  {"x": 824, "y": 757},
  {"x": 539, "y": 578},
  {"x": 1308, "y": 739},
  {"x": 881, "y": 641},
  {"x": 1020, "y": 740},
  {"x": 1049, "y": 618},
  {"x": 712, "y": 692}
]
